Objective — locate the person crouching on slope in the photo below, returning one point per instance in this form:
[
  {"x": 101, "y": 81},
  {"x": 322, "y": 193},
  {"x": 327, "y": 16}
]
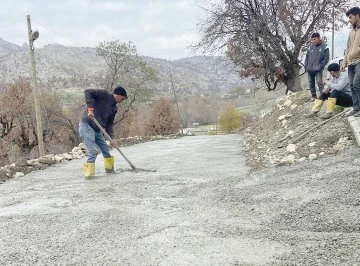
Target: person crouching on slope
[
  {"x": 100, "y": 104},
  {"x": 337, "y": 92}
]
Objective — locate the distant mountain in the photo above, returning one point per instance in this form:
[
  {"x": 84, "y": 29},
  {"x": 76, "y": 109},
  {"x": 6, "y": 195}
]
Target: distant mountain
[
  {"x": 74, "y": 68},
  {"x": 8, "y": 48}
]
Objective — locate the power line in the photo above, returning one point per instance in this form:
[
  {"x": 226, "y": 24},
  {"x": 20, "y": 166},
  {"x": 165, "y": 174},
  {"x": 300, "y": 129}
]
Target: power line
[
  {"x": 13, "y": 36},
  {"x": 48, "y": 28},
  {"x": 10, "y": 23},
  {"x": 78, "y": 45}
]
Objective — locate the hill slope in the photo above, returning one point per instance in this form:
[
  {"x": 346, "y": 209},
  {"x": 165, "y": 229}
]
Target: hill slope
[
  {"x": 78, "y": 67},
  {"x": 273, "y": 140}
]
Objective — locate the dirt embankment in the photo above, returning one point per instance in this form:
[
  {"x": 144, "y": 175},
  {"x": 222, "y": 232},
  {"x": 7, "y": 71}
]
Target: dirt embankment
[{"x": 274, "y": 139}]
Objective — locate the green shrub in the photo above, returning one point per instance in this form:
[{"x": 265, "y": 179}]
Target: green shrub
[
  {"x": 212, "y": 132},
  {"x": 230, "y": 120}
]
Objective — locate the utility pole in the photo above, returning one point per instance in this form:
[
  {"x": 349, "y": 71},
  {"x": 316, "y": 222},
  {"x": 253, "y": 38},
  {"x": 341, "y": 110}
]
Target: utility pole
[
  {"x": 33, "y": 35},
  {"x": 333, "y": 31},
  {"x": 172, "y": 86}
]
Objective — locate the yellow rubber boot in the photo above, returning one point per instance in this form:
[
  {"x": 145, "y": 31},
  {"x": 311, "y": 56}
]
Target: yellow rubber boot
[
  {"x": 316, "y": 108},
  {"x": 317, "y": 105},
  {"x": 109, "y": 164},
  {"x": 89, "y": 169},
  {"x": 329, "y": 108}
]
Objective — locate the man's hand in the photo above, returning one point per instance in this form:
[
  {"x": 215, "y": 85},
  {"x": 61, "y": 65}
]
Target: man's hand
[
  {"x": 325, "y": 90},
  {"x": 91, "y": 114},
  {"x": 342, "y": 68}
]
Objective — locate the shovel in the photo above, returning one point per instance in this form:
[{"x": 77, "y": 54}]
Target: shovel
[{"x": 111, "y": 140}]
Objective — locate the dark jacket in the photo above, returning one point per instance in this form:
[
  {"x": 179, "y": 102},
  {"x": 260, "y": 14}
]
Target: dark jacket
[
  {"x": 317, "y": 57},
  {"x": 105, "y": 109}
]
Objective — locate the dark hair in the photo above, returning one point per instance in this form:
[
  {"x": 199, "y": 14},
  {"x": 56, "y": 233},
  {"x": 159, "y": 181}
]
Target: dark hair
[
  {"x": 333, "y": 67},
  {"x": 353, "y": 11},
  {"x": 315, "y": 35},
  {"x": 120, "y": 91}
]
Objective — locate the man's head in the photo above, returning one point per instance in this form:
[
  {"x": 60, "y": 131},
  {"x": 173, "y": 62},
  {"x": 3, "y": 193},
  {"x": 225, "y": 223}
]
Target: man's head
[
  {"x": 119, "y": 94},
  {"x": 334, "y": 70},
  {"x": 315, "y": 38},
  {"x": 353, "y": 15}
]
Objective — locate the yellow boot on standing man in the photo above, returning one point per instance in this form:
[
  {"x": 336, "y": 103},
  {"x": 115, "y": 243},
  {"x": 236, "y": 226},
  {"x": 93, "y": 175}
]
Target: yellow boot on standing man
[{"x": 102, "y": 105}]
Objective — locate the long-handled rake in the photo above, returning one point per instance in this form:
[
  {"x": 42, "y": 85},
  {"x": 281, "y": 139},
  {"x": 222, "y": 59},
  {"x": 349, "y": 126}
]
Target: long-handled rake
[{"x": 111, "y": 140}]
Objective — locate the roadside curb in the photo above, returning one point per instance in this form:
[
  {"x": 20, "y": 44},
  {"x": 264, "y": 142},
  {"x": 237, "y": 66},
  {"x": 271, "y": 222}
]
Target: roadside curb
[{"x": 354, "y": 123}]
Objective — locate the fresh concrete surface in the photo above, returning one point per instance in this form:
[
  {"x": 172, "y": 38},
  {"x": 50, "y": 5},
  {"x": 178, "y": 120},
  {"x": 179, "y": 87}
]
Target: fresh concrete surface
[
  {"x": 354, "y": 123},
  {"x": 203, "y": 206}
]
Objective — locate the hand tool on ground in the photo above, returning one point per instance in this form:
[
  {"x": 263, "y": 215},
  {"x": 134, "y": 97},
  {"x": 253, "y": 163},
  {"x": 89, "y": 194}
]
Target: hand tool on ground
[{"x": 111, "y": 141}]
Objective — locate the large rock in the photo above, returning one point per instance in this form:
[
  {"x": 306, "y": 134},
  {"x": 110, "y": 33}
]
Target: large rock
[
  {"x": 19, "y": 174},
  {"x": 59, "y": 158},
  {"x": 291, "y": 148},
  {"x": 47, "y": 160},
  {"x": 75, "y": 150},
  {"x": 290, "y": 159},
  {"x": 22, "y": 162},
  {"x": 82, "y": 146},
  {"x": 287, "y": 103},
  {"x": 313, "y": 156},
  {"x": 67, "y": 156}
]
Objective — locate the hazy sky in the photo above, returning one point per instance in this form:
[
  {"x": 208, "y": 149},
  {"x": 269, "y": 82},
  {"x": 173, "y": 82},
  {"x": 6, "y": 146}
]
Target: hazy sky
[{"x": 158, "y": 28}]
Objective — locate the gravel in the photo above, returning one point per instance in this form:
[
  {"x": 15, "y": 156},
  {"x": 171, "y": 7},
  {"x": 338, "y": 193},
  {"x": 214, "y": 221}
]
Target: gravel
[{"x": 203, "y": 206}]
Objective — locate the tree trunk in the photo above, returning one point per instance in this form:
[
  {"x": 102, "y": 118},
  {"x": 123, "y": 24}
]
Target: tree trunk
[{"x": 292, "y": 80}]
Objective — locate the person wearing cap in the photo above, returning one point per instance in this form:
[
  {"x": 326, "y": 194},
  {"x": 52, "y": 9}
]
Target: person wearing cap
[
  {"x": 102, "y": 105},
  {"x": 316, "y": 59},
  {"x": 337, "y": 92}
]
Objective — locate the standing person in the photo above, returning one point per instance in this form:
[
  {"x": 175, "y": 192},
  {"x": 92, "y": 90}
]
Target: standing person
[
  {"x": 317, "y": 57},
  {"x": 337, "y": 92},
  {"x": 352, "y": 59},
  {"x": 100, "y": 104}
]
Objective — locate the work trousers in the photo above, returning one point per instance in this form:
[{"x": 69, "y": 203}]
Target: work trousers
[
  {"x": 342, "y": 99},
  {"x": 354, "y": 78},
  {"x": 318, "y": 76},
  {"x": 93, "y": 139}
]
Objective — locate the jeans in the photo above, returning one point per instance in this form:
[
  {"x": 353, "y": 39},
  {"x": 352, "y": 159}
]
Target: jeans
[
  {"x": 342, "y": 99},
  {"x": 354, "y": 78},
  {"x": 318, "y": 75},
  {"x": 92, "y": 140}
]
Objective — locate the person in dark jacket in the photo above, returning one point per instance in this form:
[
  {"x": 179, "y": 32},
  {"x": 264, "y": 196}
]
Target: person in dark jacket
[
  {"x": 316, "y": 59},
  {"x": 100, "y": 104}
]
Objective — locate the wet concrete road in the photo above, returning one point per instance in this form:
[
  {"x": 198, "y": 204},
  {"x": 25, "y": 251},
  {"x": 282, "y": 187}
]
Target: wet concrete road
[
  {"x": 54, "y": 216},
  {"x": 201, "y": 207}
]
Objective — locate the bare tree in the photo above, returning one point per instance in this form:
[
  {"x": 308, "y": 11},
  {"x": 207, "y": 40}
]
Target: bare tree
[
  {"x": 16, "y": 106},
  {"x": 264, "y": 37},
  {"x": 18, "y": 122},
  {"x": 6, "y": 125},
  {"x": 126, "y": 68},
  {"x": 66, "y": 119}
]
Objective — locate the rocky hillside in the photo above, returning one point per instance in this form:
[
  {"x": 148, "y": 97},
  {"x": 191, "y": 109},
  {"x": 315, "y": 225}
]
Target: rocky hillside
[
  {"x": 278, "y": 139},
  {"x": 8, "y": 48},
  {"x": 73, "y": 68}
]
